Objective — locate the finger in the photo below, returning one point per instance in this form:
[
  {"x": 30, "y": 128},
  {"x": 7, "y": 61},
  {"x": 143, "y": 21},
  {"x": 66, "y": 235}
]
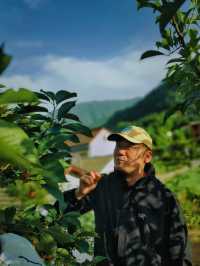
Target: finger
[
  {"x": 88, "y": 179},
  {"x": 95, "y": 175}
]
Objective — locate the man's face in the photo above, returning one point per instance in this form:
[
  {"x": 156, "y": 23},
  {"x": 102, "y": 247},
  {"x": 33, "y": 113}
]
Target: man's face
[{"x": 131, "y": 158}]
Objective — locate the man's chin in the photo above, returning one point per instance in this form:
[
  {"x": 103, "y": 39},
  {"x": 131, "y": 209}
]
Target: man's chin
[{"x": 121, "y": 169}]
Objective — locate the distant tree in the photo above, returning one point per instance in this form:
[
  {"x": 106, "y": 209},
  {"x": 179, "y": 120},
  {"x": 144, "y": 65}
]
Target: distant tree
[{"x": 178, "y": 22}]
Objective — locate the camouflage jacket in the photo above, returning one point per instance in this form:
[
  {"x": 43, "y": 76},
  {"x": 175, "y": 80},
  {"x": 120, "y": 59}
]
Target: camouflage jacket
[{"x": 140, "y": 225}]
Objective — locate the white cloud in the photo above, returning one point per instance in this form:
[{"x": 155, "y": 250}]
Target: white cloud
[{"x": 122, "y": 76}]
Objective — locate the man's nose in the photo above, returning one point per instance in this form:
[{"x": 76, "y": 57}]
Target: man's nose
[{"x": 121, "y": 151}]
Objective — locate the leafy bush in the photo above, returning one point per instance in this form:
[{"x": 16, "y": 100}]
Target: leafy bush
[
  {"x": 186, "y": 188},
  {"x": 35, "y": 128},
  {"x": 173, "y": 142}
]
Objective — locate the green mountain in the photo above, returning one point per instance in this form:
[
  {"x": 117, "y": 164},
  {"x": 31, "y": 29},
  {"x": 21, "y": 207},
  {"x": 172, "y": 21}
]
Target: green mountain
[
  {"x": 159, "y": 99},
  {"x": 97, "y": 113}
]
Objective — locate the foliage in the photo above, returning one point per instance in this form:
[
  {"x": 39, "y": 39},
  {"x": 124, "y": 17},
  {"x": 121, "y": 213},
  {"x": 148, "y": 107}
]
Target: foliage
[
  {"x": 179, "y": 29},
  {"x": 188, "y": 193},
  {"x": 159, "y": 99},
  {"x": 173, "y": 141},
  {"x": 5, "y": 59},
  {"x": 96, "y": 113},
  {"x": 35, "y": 128},
  {"x": 87, "y": 220}
]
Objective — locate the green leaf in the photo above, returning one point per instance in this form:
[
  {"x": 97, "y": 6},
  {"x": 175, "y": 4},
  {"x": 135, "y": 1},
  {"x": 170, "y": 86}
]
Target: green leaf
[
  {"x": 54, "y": 170},
  {"x": 4, "y": 59},
  {"x": 71, "y": 218},
  {"x": 175, "y": 60},
  {"x": 150, "y": 53},
  {"x": 42, "y": 96},
  {"x": 55, "y": 156},
  {"x": 47, "y": 242},
  {"x": 64, "y": 95},
  {"x": 51, "y": 95},
  {"x": 2, "y": 216},
  {"x": 58, "y": 141},
  {"x": 59, "y": 234},
  {"x": 55, "y": 129},
  {"x": 143, "y": 3},
  {"x": 72, "y": 117},
  {"x": 98, "y": 259},
  {"x": 9, "y": 214},
  {"x": 79, "y": 128},
  {"x": 62, "y": 138},
  {"x": 64, "y": 109},
  {"x": 169, "y": 10},
  {"x": 83, "y": 246},
  {"x": 23, "y": 109},
  {"x": 16, "y": 147},
  {"x": 40, "y": 117},
  {"x": 54, "y": 190},
  {"x": 20, "y": 96}
]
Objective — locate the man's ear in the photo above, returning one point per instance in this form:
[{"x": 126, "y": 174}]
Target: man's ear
[{"x": 148, "y": 156}]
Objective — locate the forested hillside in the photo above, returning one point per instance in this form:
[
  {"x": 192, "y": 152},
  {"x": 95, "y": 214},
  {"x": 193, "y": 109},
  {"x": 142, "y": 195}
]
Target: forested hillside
[
  {"x": 96, "y": 113},
  {"x": 157, "y": 100}
]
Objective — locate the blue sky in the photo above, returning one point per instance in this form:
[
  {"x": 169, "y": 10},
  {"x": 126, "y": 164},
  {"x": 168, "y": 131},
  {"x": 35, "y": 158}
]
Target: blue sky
[{"x": 88, "y": 46}]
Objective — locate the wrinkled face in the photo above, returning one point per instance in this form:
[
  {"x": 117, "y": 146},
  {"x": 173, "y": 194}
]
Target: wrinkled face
[{"x": 131, "y": 158}]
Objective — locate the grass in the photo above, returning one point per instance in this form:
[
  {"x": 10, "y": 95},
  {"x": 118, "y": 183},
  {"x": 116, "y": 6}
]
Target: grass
[
  {"x": 92, "y": 163},
  {"x": 187, "y": 189}
]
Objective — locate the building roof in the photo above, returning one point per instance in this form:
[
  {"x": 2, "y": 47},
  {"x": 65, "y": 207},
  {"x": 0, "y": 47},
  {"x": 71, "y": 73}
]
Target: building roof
[{"x": 85, "y": 139}]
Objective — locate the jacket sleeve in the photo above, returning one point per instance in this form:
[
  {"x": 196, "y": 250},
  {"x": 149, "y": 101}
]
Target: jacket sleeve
[
  {"x": 179, "y": 245},
  {"x": 83, "y": 205},
  {"x": 72, "y": 204}
]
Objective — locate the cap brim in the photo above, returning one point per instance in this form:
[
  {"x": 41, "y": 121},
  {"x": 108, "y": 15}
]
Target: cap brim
[{"x": 119, "y": 136}]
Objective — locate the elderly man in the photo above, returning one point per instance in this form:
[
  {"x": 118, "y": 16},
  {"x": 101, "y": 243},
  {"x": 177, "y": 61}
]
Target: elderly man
[{"x": 137, "y": 218}]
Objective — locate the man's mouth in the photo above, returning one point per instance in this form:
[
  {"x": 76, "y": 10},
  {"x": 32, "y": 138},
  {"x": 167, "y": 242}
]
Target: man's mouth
[{"x": 122, "y": 159}]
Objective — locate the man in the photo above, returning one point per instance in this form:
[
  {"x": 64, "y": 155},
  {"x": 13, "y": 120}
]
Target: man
[{"x": 137, "y": 218}]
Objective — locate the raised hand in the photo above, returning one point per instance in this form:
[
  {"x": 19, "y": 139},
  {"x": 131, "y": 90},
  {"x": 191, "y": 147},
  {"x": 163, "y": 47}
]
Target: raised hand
[{"x": 88, "y": 182}]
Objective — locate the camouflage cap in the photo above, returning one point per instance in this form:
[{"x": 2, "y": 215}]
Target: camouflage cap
[{"x": 133, "y": 134}]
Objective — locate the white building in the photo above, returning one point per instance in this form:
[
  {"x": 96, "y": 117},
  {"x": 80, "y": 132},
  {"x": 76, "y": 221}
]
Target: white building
[{"x": 100, "y": 145}]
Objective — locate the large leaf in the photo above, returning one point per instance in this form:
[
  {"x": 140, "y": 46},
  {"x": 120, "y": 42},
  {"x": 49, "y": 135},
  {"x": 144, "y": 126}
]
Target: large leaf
[
  {"x": 79, "y": 128},
  {"x": 175, "y": 60},
  {"x": 64, "y": 109},
  {"x": 59, "y": 234},
  {"x": 59, "y": 141},
  {"x": 54, "y": 190},
  {"x": 72, "y": 117},
  {"x": 42, "y": 96},
  {"x": 54, "y": 170},
  {"x": 55, "y": 156},
  {"x": 20, "y": 96},
  {"x": 40, "y": 117},
  {"x": 16, "y": 147},
  {"x": 4, "y": 59},
  {"x": 49, "y": 94},
  {"x": 64, "y": 95},
  {"x": 9, "y": 214},
  {"x": 83, "y": 246},
  {"x": 143, "y": 3},
  {"x": 71, "y": 218},
  {"x": 150, "y": 53},
  {"x": 62, "y": 138},
  {"x": 169, "y": 10},
  {"x": 31, "y": 109}
]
